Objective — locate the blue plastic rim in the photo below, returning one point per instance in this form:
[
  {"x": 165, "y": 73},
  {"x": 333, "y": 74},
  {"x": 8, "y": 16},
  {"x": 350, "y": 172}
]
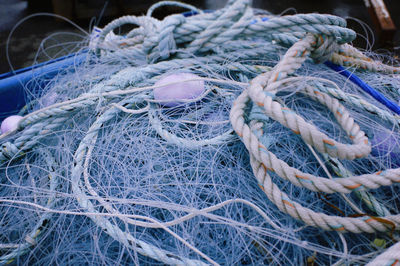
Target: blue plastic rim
[{"x": 14, "y": 84}]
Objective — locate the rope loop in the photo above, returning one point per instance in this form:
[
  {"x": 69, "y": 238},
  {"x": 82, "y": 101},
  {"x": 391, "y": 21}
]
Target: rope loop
[
  {"x": 261, "y": 95},
  {"x": 324, "y": 48},
  {"x": 166, "y": 40},
  {"x": 172, "y": 3},
  {"x": 187, "y": 36},
  {"x": 264, "y": 87}
]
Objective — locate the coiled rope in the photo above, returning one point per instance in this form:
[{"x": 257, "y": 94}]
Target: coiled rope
[
  {"x": 171, "y": 43},
  {"x": 261, "y": 92}
]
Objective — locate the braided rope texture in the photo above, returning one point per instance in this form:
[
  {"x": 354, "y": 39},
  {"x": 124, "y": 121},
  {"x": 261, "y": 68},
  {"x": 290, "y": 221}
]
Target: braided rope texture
[
  {"x": 261, "y": 92},
  {"x": 204, "y": 33},
  {"x": 390, "y": 257},
  {"x": 171, "y": 43}
]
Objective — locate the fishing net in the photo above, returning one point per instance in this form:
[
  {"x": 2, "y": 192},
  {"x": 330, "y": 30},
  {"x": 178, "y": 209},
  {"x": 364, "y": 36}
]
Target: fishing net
[{"x": 279, "y": 160}]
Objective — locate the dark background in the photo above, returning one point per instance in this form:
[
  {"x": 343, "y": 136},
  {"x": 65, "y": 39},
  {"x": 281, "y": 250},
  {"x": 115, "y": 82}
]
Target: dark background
[{"x": 26, "y": 39}]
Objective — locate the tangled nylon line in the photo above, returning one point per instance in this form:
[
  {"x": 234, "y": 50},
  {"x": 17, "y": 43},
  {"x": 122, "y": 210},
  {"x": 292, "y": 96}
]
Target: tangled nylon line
[
  {"x": 261, "y": 92},
  {"x": 156, "y": 40},
  {"x": 321, "y": 37},
  {"x": 39, "y": 228},
  {"x": 114, "y": 231},
  {"x": 204, "y": 33},
  {"x": 389, "y": 257}
]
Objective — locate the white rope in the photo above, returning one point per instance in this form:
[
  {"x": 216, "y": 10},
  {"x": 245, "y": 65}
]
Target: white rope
[
  {"x": 391, "y": 257},
  {"x": 261, "y": 91}
]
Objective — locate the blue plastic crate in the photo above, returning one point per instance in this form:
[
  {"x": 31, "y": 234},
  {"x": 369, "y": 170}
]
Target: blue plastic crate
[{"x": 13, "y": 85}]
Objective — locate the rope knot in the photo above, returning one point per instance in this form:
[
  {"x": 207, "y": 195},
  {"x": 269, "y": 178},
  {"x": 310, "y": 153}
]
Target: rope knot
[
  {"x": 323, "y": 48},
  {"x": 178, "y": 29},
  {"x": 8, "y": 150},
  {"x": 167, "y": 42}
]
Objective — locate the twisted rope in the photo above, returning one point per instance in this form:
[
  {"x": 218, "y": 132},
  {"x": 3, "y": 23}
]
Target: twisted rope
[
  {"x": 111, "y": 229},
  {"x": 261, "y": 92},
  {"x": 391, "y": 257},
  {"x": 206, "y": 36},
  {"x": 37, "y": 125},
  {"x": 203, "y": 30}
]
